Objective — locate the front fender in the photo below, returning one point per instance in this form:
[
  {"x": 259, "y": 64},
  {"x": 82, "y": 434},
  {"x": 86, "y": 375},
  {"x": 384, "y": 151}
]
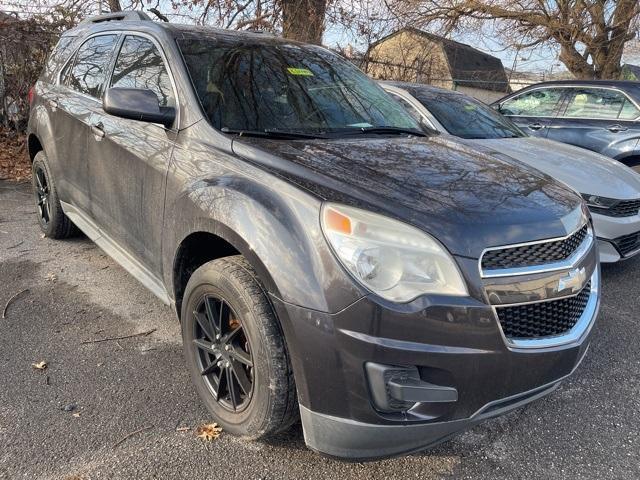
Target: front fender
[{"x": 274, "y": 224}]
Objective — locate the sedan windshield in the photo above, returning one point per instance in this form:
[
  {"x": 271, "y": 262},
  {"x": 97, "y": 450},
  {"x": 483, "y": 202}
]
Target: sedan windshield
[
  {"x": 466, "y": 117},
  {"x": 277, "y": 87}
]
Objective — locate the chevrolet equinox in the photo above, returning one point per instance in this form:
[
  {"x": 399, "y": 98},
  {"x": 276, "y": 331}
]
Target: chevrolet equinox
[{"x": 327, "y": 259}]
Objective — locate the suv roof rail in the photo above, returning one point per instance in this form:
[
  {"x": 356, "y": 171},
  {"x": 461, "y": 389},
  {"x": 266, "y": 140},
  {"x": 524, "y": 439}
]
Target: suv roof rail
[{"x": 116, "y": 16}]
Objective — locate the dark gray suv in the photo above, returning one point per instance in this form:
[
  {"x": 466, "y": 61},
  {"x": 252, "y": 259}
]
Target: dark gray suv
[
  {"x": 599, "y": 115},
  {"x": 326, "y": 259}
]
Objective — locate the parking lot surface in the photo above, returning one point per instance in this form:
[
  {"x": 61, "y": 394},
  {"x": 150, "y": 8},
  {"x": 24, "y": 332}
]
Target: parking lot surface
[{"x": 120, "y": 408}]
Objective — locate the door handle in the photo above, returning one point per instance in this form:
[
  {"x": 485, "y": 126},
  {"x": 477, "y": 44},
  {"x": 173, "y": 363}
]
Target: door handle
[
  {"x": 98, "y": 130},
  {"x": 534, "y": 126},
  {"x": 617, "y": 128}
]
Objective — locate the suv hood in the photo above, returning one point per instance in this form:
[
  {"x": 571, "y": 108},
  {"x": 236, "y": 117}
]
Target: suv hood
[
  {"x": 467, "y": 200},
  {"x": 583, "y": 170}
]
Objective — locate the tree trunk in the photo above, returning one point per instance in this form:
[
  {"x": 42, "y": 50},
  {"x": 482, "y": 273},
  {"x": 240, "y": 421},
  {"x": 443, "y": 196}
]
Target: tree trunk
[
  {"x": 303, "y": 20},
  {"x": 114, "y": 6}
]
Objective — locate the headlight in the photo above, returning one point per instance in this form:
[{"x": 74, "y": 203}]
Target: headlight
[
  {"x": 392, "y": 259},
  {"x": 599, "y": 202}
]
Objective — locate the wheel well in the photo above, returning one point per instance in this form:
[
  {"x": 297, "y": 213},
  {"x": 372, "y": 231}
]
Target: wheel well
[
  {"x": 631, "y": 161},
  {"x": 194, "y": 251},
  {"x": 34, "y": 146}
]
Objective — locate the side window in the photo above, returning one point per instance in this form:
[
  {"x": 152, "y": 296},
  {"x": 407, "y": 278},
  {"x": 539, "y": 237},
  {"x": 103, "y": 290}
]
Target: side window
[
  {"x": 536, "y": 103},
  {"x": 600, "y": 103},
  {"x": 629, "y": 111},
  {"x": 88, "y": 72},
  {"x": 57, "y": 57},
  {"x": 409, "y": 108},
  {"x": 140, "y": 65}
]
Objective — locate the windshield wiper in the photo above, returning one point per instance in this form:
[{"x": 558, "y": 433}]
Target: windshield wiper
[
  {"x": 272, "y": 133},
  {"x": 385, "y": 130}
]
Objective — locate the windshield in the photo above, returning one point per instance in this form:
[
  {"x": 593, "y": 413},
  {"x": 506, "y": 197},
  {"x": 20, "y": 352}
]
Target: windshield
[
  {"x": 466, "y": 117},
  {"x": 286, "y": 87}
]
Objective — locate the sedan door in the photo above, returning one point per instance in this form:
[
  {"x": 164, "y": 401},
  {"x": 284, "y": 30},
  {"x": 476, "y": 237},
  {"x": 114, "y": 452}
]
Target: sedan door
[
  {"x": 534, "y": 110},
  {"x": 130, "y": 158},
  {"x": 599, "y": 119}
]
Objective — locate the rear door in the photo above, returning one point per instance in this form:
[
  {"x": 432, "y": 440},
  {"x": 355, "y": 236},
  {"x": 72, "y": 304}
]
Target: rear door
[
  {"x": 600, "y": 119},
  {"x": 129, "y": 159},
  {"x": 77, "y": 96},
  {"x": 534, "y": 110}
]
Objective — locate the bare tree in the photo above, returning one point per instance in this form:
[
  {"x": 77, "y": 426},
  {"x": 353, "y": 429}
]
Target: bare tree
[
  {"x": 303, "y": 19},
  {"x": 590, "y": 34}
]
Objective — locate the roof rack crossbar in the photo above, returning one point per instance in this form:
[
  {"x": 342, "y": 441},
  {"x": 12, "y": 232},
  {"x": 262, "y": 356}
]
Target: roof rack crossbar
[{"x": 116, "y": 16}]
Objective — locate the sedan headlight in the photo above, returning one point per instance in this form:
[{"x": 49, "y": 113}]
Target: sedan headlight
[{"x": 392, "y": 259}]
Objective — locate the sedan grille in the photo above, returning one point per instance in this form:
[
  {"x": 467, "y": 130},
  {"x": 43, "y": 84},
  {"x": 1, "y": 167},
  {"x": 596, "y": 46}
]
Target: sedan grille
[
  {"x": 534, "y": 254},
  {"x": 627, "y": 243},
  {"x": 624, "y": 208},
  {"x": 544, "y": 319}
]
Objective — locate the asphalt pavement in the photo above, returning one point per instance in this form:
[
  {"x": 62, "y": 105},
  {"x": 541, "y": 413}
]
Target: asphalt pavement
[{"x": 119, "y": 409}]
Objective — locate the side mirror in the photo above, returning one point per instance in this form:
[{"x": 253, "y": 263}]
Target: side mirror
[{"x": 137, "y": 104}]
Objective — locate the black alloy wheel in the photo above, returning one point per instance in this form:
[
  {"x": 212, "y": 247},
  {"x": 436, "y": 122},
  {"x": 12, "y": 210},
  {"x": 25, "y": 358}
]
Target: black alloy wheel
[
  {"x": 51, "y": 218},
  {"x": 42, "y": 193},
  {"x": 224, "y": 353},
  {"x": 235, "y": 350}
]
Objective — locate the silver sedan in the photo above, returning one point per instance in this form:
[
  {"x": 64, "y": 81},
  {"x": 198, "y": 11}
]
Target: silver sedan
[{"x": 611, "y": 190}]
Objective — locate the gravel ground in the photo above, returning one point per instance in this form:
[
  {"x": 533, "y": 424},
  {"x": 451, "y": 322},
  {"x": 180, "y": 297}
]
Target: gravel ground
[{"x": 64, "y": 422}]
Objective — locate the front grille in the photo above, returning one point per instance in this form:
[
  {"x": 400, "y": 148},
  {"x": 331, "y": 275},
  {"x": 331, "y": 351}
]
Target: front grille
[
  {"x": 624, "y": 208},
  {"x": 627, "y": 243},
  {"x": 543, "y": 319},
  {"x": 535, "y": 254}
]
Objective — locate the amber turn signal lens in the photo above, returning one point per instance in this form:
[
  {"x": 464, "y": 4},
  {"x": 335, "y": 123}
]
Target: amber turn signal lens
[{"x": 337, "y": 221}]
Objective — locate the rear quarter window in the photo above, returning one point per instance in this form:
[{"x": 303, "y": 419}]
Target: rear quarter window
[{"x": 56, "y": 59}]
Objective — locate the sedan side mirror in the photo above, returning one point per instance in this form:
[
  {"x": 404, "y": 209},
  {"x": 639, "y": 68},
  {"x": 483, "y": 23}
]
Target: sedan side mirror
[{"x": 137, "y": 104}]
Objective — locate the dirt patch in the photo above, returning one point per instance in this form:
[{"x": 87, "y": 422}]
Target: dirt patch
[{"x": 14, "y": 163}]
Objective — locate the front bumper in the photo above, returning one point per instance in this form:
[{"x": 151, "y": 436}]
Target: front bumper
[
  {"x": 357, "y": 441},
  {"x": 612, "y": 232},
  {"x": 455, "y": 343}
]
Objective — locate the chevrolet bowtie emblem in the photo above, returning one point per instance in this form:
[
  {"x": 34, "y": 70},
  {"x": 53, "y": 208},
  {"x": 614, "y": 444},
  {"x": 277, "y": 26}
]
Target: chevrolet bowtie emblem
[{"x": 574, "y": 280}]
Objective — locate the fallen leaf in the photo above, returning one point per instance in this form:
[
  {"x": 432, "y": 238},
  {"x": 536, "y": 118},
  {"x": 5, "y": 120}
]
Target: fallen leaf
[
  {"x": 40, "y": 365},
  {"x": 183, "y": 429},
  {"x": 77, "y": 415},
  {"x": 208, "y": 432},
  {"x": 14, "y": 163}
]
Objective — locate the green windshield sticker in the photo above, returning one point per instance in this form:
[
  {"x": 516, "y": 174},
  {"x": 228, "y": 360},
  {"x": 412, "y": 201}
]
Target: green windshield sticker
[
  {"x": 470, "y": 108},
  {"x": 303, "y": 72}
]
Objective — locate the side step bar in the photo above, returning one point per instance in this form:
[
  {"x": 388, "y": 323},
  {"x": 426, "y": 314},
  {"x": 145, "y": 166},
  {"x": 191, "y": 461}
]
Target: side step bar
[{"x": 115, "y": 251}]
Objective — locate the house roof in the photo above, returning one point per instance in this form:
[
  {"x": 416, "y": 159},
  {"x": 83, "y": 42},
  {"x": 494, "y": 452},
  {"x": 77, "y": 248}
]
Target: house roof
[
  {"x": 468, "y": 66},
  {"x": 633, "y": 69}
]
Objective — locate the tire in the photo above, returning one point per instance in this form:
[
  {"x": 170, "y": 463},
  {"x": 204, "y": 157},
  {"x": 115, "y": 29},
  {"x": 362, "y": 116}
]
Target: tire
[
  {"x": 249, "y": 327},
  {"x": 52, "y": 220}
]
